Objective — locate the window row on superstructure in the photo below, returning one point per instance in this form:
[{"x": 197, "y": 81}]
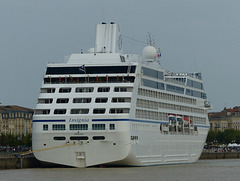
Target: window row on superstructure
[
  {"x": 82, "y": 111},
  {"x": 160, "y": 116},
  {"x": 172, "y": 88},
  {"x": 91, "y": 70},
  {"x": 87, "y": 79},
  {"x": 174, "y": 78},
  {"x": 161, "y": 86},
  {"x": 194, "y": 84},
  {"x": 78, "y": 127},
  {"x": 165, "y": 96},
  {"x": 81, "y": 100},
  {"x": 153, "y": 84},
  {"x": 161, "y": 105},
  {"x": 152, "y": 73},
  {"x": 86, "y": 89},
  {"x": 182, "y": 81},
  {"x": 194, "y": 93}
]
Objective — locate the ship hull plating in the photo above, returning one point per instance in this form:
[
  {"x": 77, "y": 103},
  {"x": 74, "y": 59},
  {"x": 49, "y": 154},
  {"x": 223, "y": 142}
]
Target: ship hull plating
[{"x": 146, "y": 149}]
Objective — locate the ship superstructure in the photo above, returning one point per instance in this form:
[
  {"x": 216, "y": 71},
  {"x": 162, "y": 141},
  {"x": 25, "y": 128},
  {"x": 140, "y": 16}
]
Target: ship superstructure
[{"x": 106, "y": 107}]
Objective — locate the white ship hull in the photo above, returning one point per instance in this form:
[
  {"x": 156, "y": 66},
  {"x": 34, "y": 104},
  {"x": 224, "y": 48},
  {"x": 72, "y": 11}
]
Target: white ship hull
[
  {"x": 151, "y": 148},
  {"x": 123, "y": 110}
]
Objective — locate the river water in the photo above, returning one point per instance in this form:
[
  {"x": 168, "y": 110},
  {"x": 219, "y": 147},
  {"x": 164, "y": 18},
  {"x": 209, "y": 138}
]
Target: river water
[{"x": 203, "y": 170}]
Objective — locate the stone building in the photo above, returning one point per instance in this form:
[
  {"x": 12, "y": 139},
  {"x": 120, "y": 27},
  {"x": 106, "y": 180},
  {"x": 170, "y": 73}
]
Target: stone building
[
  {"x": 226, "y": 119},
  {"x": 15, "y": 120}
]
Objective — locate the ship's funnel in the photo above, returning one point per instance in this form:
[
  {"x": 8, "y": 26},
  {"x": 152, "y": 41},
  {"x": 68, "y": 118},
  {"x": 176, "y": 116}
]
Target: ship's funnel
[{"x": 108, "y": 38}]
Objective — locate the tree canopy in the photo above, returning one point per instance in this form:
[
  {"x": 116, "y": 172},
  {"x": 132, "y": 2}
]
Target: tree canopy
[
  {"x": 224, "y": 137},
  {"x": 13, "y": 140}
]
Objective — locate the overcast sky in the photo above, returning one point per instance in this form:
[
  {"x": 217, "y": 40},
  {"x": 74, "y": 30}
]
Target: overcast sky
[{"x": 192, "y": 34}]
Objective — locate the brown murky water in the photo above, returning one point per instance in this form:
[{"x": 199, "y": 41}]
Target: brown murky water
[{"x": 203, "y": 170}]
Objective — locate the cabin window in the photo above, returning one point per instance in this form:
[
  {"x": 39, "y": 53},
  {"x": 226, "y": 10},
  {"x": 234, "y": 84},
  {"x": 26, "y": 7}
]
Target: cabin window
[
  {"x": 47, "y": 90},
  {"x": 58, "y": 127},
  {"x": 149, "y": 72},
  {"x": 65, "y": 90},
  {"x": 119, "y": 110},
  {"x": 103, "y": 89},
  {"x": 79, "y": 111},
  {"x": 60, "y": 111},
  {"x": 153, "y": 84},
  {"x": 120, "y": 89},
  {"x": 175, "y": 89},
  {"x": 82, "y": 100},
  {"x": 112, "y": 126},
  {"x": 149, "y": 83},
  {"x": 62, "y": 100},
  {"x": 121, "y": 99},
  {"x": 45, "y": 101},
  {"x": 78, "y": 127},
  {"x": 195, "y": 93},
  {"x": 123, "y": 89},
  {"x": 99, "y": 111},
  {"x": 41, "y": 111},
  {"x": 98, "y": 126},
  {"x": 195, "y": 84},
  {"x": 45, "y": 127},
  {"x": 84, "y": 89},
  {"x": 101, "y": 100}
]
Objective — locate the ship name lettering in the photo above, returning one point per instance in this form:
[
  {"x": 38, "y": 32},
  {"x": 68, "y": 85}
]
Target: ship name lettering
[{"x": 77, "y": 120}]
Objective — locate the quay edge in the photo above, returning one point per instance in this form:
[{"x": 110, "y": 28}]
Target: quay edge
[{"x": 32, "y": 162}]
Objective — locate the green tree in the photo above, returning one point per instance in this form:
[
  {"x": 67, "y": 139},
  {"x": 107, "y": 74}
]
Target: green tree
[
  {"x": 238, "y": 137},
  {"x": 3, "y": 140},
  {"x": 230, "y": 135},
  {"x": 27, "y": 140},
  {"x": 212, "y": 136},
  {"x": 12, "y": 140},
  {"x": 224, "y": 137},
  {"x": 220, "y": 137}
]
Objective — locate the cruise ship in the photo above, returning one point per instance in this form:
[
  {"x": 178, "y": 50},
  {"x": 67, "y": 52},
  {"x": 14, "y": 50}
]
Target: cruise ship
[{"x": 104, "y": 107}]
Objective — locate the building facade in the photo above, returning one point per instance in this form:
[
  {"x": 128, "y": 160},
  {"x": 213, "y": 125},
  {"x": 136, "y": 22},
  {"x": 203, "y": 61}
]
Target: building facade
[
  {"x": 15, "y": 120},
  {"x": 226, "y": 119}
]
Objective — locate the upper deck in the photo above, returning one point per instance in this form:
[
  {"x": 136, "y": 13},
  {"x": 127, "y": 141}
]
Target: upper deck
[{"x": 196, "y": 75}]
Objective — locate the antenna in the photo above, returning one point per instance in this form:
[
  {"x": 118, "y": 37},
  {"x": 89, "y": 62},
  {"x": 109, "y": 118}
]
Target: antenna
[{"x": 150, "y": 40}]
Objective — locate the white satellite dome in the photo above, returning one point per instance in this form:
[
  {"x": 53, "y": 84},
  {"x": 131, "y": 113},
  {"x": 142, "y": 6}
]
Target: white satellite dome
[
  {"x": 90, "y": 50},
  {"x": 149, "y": 52}
]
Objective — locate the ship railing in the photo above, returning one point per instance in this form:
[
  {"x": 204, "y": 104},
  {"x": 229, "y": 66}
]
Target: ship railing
[
  {"x": 194, "y": 75},
  {"x": 79, "y": 80},
  {"x": 182, "y": 133}
]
